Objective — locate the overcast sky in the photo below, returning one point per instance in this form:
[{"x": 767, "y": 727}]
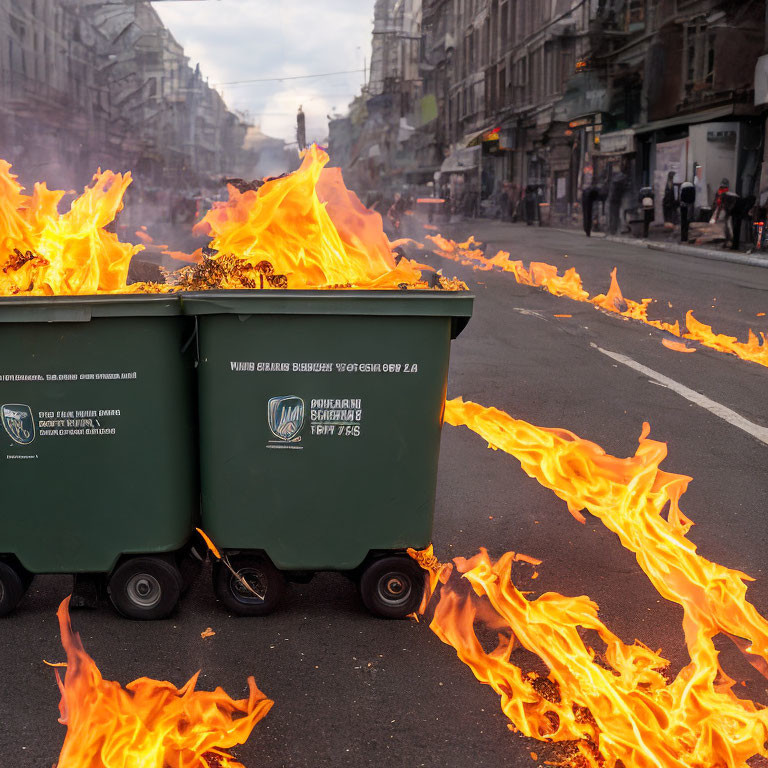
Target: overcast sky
[{"x": 247, "y": 39}]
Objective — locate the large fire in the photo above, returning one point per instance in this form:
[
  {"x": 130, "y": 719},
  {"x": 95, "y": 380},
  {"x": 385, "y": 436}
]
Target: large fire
[
  {"x": 616, "y": 705},
  {"x": 149, "y": 723},
  {"x": 301, "y": 230},
  {"x": 45, "y": 253},
  {"x": 569, "y": 284},
  {"x": 305, "y": 230}
]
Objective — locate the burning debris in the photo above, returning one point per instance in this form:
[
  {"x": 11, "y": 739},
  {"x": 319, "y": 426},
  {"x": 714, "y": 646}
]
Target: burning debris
[
  {"x": 546, "y": 276},
  {"x": 227, "y": 271},
  {"x": 149, "y": 722},
  {"x": 619, "y": 706}
]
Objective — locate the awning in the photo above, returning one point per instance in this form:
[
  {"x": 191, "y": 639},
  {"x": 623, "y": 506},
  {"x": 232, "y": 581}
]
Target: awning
[
  {"x": 691, "y": 119},
  {"x": 474, "y": 139},
  {"x": 462, "y": 159}
]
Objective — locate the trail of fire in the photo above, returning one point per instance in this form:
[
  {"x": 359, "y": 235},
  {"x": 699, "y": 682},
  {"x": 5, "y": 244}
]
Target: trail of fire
[
  {"x": 617, "y": 703},
  {"x": 149, "y": 723},
  {"x": 542, "y": 275}
]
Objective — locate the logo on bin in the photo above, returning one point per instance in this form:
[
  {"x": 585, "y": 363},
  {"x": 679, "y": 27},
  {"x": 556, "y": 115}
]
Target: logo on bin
[
  {"x": 18, "y": 422},
  {"x": 285, "y": 416}
]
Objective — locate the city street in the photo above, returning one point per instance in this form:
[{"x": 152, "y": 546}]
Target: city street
[{"x": 354, "y": 691}]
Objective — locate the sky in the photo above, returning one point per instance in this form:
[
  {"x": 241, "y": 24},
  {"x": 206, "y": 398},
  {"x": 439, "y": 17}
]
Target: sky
[{"x": 236, "y": 40}]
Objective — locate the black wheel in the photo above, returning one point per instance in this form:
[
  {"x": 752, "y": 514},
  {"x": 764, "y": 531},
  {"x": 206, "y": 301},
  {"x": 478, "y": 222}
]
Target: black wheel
[
  {"x": 392, "y": 586},
  {"x": 145, "y": 587},
  {"x": 13, "y": 585},
  {"x": 261, "y": 576}
]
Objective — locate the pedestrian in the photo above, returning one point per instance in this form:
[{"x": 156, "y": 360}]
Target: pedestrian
[
  {"x": 588, "y": 197},
  {"x": 739, "y": 212},
  {"x": 530, "y": 204},
  {"x": 511, "y": 191},
  {"x": 615, "y": 195},
  {"x": 669, "y": 201},
  {"x": 394, "y": 213},
  {"x": 718, "y": 206}
]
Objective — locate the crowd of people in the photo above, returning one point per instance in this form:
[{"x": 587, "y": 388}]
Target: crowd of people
[{"x": 603, "y": 205}]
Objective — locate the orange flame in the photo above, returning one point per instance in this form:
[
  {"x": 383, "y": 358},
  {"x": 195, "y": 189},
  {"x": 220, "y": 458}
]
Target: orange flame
[
  {"x": 614, "y": 301},
  {"x": 301, "y": 230},
  {"x": 311, "y": 229},
  {"x": 677, "y": 346},
  {"x": 43, "y": 252},
  {"x": 546, "y": 276},
  {"x": 148, "y": 723},
  {"x": 622, "y": 709},
  {"x": 753, "y": 349}
]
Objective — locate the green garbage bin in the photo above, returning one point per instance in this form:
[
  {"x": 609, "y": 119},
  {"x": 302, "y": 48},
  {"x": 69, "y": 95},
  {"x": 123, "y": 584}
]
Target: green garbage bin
[
  {"x": 99, "y": 457},
  {"x": 320, "y": 416}
]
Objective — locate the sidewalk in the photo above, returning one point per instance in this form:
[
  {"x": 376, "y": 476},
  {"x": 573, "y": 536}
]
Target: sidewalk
[
  {"x": 661, "y": 242},
  {"x": 702, "y": 252}
]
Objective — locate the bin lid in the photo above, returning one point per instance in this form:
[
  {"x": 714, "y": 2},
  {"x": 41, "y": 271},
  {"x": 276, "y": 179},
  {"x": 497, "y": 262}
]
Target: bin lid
[
  {"x": 74, "y": 309},
  {"x": 454, "y": 304}
]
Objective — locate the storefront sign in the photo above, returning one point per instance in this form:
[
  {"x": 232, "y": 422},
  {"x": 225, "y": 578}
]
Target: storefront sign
[{"x": 617, "y": 142}]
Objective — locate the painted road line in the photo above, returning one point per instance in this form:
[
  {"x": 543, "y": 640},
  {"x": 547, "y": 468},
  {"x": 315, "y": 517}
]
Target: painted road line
[{"x": 733, "y": 418}]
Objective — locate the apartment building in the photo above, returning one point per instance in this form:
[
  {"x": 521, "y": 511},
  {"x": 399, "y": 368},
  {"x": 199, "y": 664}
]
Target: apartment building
[
  {"x": 550, "y": 96},
  {"x": 91, "y": 83}
]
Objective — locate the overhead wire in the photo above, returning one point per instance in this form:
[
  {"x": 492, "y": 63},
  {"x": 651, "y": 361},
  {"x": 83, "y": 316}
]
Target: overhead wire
[{"x": 292, "y": 77}]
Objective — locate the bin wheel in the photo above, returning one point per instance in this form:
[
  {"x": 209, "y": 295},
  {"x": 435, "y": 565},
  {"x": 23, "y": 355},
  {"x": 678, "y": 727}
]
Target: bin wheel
[
  {"x": 260, "y": 574},
  {"x": 13, "y": 585},
  {"x": 392, "y": 586},
  {"x": 145, "y": 587}
]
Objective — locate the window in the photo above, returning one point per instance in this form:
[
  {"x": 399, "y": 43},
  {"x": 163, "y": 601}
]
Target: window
[
  {"x": 504, "y": 28},
  {"x": 699, "y": 58},
  {"x": 635, "y": 15},
  {"x": 494, "y": 41}
]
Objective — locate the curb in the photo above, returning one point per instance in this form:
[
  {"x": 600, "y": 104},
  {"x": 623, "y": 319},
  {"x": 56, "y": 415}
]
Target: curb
[
  {"x": 735, "y": 257},
  {"x": 689, "y": 250}
]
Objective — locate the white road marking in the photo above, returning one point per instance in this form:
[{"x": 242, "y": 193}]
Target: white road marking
[
  {"x": 532, "y": 312},
  {"x": 733, "y": 418}
]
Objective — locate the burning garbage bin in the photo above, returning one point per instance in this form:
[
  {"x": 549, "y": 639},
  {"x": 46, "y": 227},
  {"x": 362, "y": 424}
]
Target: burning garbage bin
[
  {"x": 99, "y": 459},
  {"x": 320, "y": 416}
]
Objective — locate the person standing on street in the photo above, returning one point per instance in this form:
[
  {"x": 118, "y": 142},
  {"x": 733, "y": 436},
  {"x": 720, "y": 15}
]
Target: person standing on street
[
  {"x": 739, "y": 212},
  {"x": 718, "y": 206},
  {"x": 615, "y": 196},
  {"x": 588, "y": 197},
  {"x": 530, "y": 204},
  {"x": 669, "y": 201}
]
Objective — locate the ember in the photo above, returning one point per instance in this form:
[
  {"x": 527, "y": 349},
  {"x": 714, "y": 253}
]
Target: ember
[
  {"x": 149, "y": 722},
  {"x": 615, "y": 707}
]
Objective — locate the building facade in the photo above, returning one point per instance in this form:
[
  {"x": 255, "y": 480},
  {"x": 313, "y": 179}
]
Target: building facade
[
  {"x": 547, "y": 97},
  {"x": 89, "y": 83}
]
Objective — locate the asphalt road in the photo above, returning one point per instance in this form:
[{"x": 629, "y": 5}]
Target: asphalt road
[{"x": 351, "y": 690}]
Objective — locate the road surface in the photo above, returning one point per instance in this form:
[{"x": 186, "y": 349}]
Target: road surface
[{"x": 352, "y": 691}]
